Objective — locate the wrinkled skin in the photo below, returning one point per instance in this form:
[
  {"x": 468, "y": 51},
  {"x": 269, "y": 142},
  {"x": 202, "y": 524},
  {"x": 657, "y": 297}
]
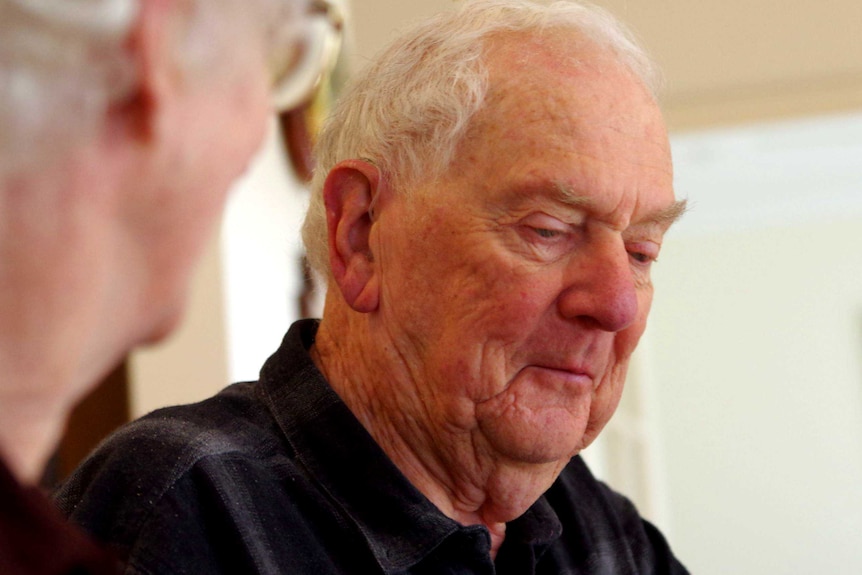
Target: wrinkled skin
[{"x": 519, "y": 286}]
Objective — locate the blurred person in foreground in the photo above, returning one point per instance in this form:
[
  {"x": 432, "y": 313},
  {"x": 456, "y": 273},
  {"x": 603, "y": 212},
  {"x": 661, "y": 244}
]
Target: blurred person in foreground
[
  {"x": 490, "y": 197},
  {"x": 122, "y": 125}
]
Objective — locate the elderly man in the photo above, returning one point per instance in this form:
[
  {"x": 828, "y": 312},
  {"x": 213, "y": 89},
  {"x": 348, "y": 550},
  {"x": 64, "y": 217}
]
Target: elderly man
[
  {"x": 490, "y": 197},
  {"x": 122, "y": 125}
]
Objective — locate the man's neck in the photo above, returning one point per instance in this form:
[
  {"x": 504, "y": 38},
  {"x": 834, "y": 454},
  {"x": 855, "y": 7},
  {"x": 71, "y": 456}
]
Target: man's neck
[{"x": 459, "y": 475}]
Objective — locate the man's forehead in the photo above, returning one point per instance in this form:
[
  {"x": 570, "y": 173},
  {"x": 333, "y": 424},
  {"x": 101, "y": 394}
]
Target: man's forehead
[
  {"x": 595, "y": 133},
  {"x": 546, "y": 56},
  {"x": 563, "y": 76},
  {"x": 561, "y": 46}
]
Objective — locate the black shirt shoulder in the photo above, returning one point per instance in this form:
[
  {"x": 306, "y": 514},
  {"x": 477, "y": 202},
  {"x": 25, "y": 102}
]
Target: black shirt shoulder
[{"x": 117, "y": 489}]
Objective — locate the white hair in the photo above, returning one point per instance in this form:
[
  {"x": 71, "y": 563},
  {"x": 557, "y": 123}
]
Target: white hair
[
  {"x": 408, "y": 111},
  {"x": 64, "y": 62}
]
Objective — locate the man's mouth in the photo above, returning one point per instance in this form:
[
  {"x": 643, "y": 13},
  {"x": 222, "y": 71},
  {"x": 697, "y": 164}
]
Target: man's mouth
[{"x": 576, "y": 378}]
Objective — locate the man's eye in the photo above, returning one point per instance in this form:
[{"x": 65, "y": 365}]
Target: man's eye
[
  {"x": 644, "y": 253},
  {"x": 641, "y": 257},
  {"x": 546, "y": 227},
  {"x": 546, "y": 233}
]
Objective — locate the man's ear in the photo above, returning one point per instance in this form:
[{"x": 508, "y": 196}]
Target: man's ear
[
  {"x": 350, "y": 192},
  {"x": 152, "y": 43}
]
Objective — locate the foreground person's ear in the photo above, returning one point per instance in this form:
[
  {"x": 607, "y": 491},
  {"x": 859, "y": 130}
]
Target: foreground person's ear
[
  {"x": 152, "y": 47},
  {"x": 349, "y": 193}
]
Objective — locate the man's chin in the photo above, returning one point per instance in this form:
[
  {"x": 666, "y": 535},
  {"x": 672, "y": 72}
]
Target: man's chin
[
  {"x": 538, "y": 443},
  {"x": 537, "y": 422}
]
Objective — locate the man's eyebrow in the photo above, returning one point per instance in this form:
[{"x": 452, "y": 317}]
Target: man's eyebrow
[
  {"x": 664, "y": 217},
  {"x": 565, "y": 195},
  {"x": 667, "y": 216}
]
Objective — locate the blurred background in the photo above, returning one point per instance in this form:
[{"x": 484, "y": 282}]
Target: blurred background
[{"x": 740, "y": 432}]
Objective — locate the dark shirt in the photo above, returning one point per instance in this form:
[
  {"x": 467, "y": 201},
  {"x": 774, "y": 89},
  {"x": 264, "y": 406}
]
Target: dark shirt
[
  {"x": 279, "y": 477},
  {"x": 36, "y": 540}
]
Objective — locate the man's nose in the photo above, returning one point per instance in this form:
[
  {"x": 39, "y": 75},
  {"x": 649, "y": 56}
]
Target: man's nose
[{"x": 600, "y": 286}]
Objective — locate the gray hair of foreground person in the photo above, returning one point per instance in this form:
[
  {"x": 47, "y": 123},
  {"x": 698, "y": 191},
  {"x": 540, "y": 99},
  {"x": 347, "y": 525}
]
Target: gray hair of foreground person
[
  {"x": 409, "y": 110},
  {"x": 62, "y": 62}
]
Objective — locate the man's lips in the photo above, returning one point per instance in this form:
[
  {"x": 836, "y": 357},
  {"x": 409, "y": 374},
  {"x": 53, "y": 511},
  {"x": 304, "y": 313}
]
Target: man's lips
[
  {"x": 569, "y": 376},
  {"x": 574, "y": 368}
]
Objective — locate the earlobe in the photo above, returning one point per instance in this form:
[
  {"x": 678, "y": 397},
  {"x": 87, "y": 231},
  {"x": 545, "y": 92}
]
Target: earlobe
[{"x": 350, "y": 192}]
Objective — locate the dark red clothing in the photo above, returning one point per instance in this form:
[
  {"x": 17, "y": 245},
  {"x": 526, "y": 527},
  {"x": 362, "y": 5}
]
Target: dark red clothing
[{"x": 36, "y": 540}]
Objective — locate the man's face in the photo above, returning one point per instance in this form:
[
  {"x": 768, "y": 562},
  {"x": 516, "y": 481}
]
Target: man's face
[{"x": 518, "y": 285}]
